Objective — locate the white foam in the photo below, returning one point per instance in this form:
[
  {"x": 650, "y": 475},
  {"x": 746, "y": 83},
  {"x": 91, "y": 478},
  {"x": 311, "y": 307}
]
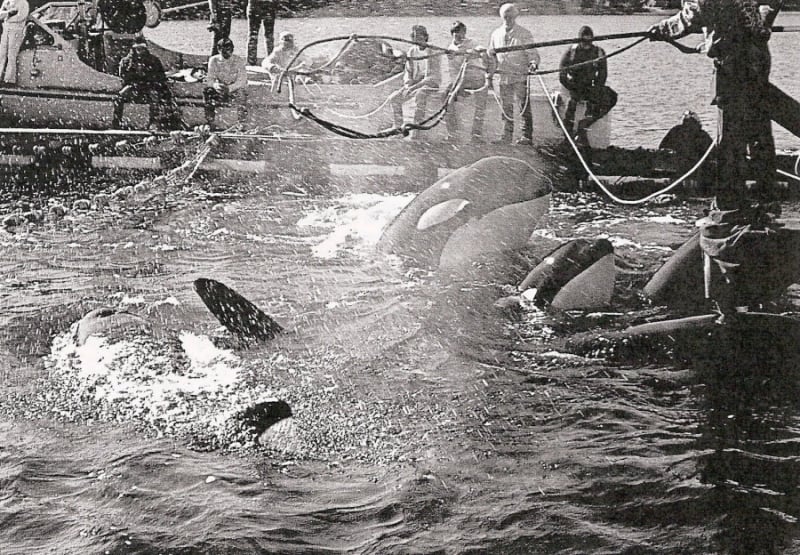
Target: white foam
[{"x": 356, "y": 222}]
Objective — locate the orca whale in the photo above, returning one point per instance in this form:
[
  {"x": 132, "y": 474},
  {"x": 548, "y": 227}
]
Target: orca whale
[
  {"x": 489, "y": 207},
  {"x": 576, "y": 275},
  {"x": 770, "y": 264},
  {"x": 129, "y": 366}
]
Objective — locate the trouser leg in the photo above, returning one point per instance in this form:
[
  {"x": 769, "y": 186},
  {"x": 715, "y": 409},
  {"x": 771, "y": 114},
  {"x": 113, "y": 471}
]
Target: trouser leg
[
  {"x": 421, "y": 101},
  {"x": 480, "y": 98},
  {"x": 451, "y": 115},
  {"x": 507, "y": 103},
  {"x": 15, "y": 34},
  {"x": 253, "y": 30},
  {"x": 569, "y": 115},
  {"x": 268, "y": 18},
  {"x": 223, "y": 29},
  {"x": 210, "y": 99},
  {"x": 521, "y": 95},
  {"x": 731, "y": 159},
  {"x": 397, "y": 100}
]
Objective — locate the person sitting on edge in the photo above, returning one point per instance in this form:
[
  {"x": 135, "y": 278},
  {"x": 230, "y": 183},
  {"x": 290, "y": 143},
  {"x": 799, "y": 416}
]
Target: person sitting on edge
[
  {"x": 689, "y": 141},
  {"x": 226, "y": 82},
  {"x": 583, "y": 73},
  {"x": 514, "y": 68},
  {"x": 144, "y": 80},
  {"x": 421, "y": 78},
  {"x": 220, "y": 13},
  {"x": 280, "y": 58},
  {"x": 466, "y": 50},
  {"x": 13, "y": 14}
]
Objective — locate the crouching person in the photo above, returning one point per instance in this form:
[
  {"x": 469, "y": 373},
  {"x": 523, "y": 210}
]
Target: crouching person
[
  {"x": 145, "y": 81},
  {"x": 226, "y": 82}
]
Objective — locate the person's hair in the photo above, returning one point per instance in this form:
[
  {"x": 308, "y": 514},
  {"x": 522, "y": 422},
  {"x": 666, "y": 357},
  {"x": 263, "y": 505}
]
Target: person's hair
[
  {"x": 458, "y": 26},
  {"x": 223, "y": 42},
  {"x": 584, "y": 31},
  {"x": 419, "y": 29},
  {"x": 506, "y": 7}
]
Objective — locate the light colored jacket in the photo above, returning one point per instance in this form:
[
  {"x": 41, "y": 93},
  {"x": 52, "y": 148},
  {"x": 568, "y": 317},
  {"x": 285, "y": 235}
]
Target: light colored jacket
[
  {"x": 513, "y": 66},
  {"x": 14, "y": 12},
  {"x": 230, "y": 72}
]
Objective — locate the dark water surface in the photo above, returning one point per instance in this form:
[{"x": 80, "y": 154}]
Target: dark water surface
[{"x": 426, "y": 419}]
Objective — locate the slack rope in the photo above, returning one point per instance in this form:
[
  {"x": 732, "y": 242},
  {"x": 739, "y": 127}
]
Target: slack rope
[{"x": 594, "y": 178}]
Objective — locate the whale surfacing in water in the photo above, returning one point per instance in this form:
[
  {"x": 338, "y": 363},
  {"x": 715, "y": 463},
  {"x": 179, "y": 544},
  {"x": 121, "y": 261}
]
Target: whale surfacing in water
[
  {"x": 577, "y": 275},
  {"x": 118, "y": 366},
  {"x": 486, "y": 208}
]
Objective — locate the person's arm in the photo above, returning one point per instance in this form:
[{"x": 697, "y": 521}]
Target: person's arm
[
  {"x": 241, "y": 77},
  {"x": 212, "y": 12},
  {"x": 211, "y": 74},
  {"x": 565, "y": 74},
  {"x": 600, "y": 68},
  {"x": 688, "y": 20}
]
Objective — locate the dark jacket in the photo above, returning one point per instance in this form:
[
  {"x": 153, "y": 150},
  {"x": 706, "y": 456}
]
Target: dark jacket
[
  {"x": 141, "y": 69},
  {"x": 580, "y": 80}
]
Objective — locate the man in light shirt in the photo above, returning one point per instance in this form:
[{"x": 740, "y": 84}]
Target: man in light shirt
[
  {"x": 13, "y": 14},
  {"x": 280, "y": 58},
  {"x": 421, "y": 77},
  {"x": 226, "y": 82},
  {"x": 513, "y": 68},
  {"x": 466, "y": 50}
]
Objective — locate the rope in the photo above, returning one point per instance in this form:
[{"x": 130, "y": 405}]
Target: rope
[
  {"x": 594, "y": 178},
  {"x": 787, "y": 174},
  {"x": 425, "y": 125},
  {"x": 439, "y": 51},
  {"x": 361, "y": 116}
]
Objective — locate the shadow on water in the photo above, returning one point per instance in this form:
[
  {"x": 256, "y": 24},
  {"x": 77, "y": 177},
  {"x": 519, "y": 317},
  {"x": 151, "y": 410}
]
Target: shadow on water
[{"x": 749, "y": 437}]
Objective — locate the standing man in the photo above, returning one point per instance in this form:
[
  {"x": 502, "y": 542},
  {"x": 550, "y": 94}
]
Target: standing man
[
  {"x": 226, "y": 82},
  {"x": 737, "y": 41},
  {"x": 513, "y": 68},
  {"x": 260, "y": 12},
  {"x": 220, "y": 13},
  {"x": 583, "y": 73},
  {"x": 738, "y": 44},
  {"x": 421, "y": 78},
  {"x": 13, "y": 14},
  {"x": 464, "y": 50}
]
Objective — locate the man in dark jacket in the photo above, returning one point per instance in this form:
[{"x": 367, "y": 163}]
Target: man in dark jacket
[
  {"x": 736, "y": 38},
  {"x": 583, "y": 74},
  {"x": 737, "y": 41},
  {"x": 144, "y": 80}
]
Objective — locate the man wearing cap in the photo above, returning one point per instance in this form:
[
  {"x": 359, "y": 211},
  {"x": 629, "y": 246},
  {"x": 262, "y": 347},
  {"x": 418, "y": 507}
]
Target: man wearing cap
[
  {"x": 144, "y": 80},
  {"x": 583, "y": 73},
  {"x": 13, "y": 14},
  {"x": 226, "y": 82},
  {"x": 421, "y": 78},
  {"x": 280, "y": 58},
  {"x": 260, "y": 13},
  {"x": 513, "y": 68},
  {"x": 220, "y": 13}
]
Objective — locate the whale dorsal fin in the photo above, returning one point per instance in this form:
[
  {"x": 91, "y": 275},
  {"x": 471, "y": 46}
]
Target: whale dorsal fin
[{"x": 239, "y": 316}]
